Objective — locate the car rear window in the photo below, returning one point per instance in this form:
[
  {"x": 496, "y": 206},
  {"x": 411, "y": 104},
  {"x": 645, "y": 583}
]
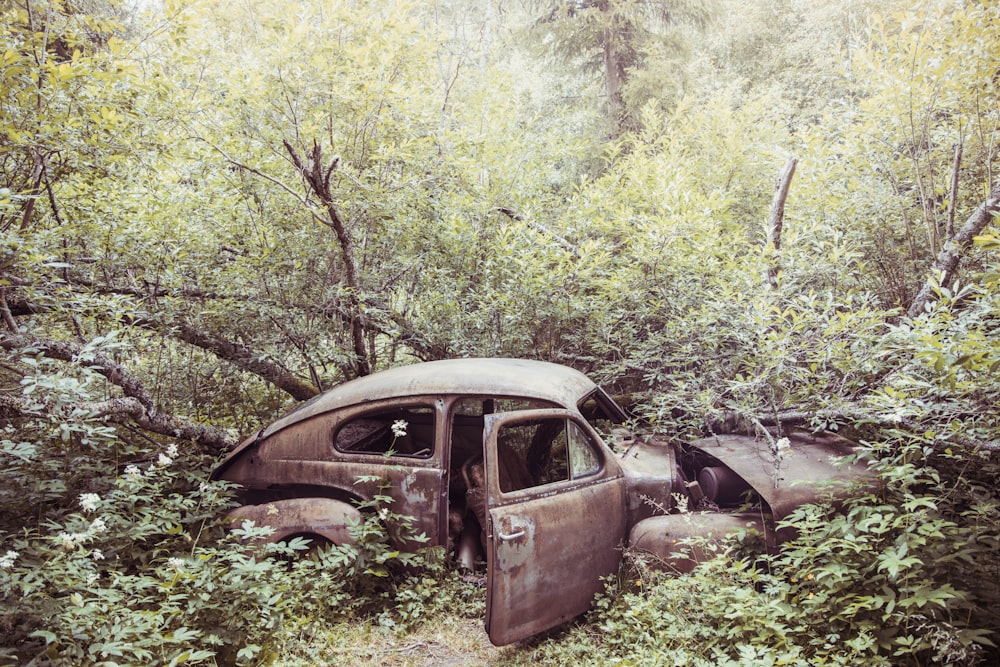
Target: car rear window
[{"x": 396, "y": 431}]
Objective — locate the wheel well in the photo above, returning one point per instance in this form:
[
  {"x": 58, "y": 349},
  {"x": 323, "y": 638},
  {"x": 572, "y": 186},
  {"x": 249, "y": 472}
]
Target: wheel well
[{"x": 316, "y": 541}]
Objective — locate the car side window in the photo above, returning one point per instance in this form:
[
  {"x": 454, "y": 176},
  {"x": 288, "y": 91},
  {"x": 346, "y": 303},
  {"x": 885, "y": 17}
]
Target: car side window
[
  {"x": 543, "y": 451},
  {"x": 395, "y": 431},
  {"x": 467, "y": 422},
  {"x": 583, "y": 458}
]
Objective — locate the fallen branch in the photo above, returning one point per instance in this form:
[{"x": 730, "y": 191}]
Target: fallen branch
[{"x": 137, "y": 404}]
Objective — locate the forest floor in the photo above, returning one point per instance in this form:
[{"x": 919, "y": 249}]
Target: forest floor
[{"x": 444, "y": 642}]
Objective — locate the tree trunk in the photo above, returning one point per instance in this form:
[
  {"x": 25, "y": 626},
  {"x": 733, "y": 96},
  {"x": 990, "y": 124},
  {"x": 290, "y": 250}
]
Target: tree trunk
[
  {"x": 318, "y": 180},
  {"x": 613, "y": 84},
  {"x": 943, "y": 270}
]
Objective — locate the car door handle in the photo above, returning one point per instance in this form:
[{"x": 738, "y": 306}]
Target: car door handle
[{"x": 510, "y": 536}]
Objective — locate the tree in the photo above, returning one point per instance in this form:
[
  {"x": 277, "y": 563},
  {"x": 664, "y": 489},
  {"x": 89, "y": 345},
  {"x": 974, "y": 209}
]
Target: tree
[
  {"x": 70, "y": 125},
  {"x": 634, "y": 44}
]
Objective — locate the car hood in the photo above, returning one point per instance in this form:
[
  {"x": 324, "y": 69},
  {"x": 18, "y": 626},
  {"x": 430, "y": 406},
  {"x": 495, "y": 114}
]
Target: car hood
[{"x": 812, "y": 466}]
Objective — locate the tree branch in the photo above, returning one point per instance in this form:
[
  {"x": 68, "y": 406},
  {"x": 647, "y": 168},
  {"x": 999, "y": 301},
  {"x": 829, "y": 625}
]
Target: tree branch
[
  {"x": 136, "y": 405},
  {"x": 245, "y": 359},
  {"x": 267, "y": 177},
  {"x": 776, "y": 219},
  {"x": 8, "y": 317},
  {"x": 954, "y": 249},
  {"x": 540, "y": 228},
  {"x": 317, "y": 177},
  {"x": 734, "y": 422}
]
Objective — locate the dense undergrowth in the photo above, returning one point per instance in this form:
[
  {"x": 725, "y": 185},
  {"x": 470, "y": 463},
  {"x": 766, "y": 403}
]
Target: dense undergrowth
[
  {"x": 165, "y": 274},
  {"x": 135, "y": 567},
  {"x": 140, "y": 571},
  {"x": 905, "y": 574}
]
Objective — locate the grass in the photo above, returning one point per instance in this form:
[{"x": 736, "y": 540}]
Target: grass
[{"x": 443, "y": 641}]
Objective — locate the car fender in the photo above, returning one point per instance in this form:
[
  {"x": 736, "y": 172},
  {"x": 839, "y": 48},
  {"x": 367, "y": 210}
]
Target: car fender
[
  {"x": 664, "y": 536},
  {"x": 325, "y": 517}
]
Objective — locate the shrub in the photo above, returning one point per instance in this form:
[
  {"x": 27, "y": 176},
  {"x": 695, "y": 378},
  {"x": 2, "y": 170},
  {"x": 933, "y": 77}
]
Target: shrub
[
  {"x": 144, "y": 572},
  {"x": 904, "y": 576}
]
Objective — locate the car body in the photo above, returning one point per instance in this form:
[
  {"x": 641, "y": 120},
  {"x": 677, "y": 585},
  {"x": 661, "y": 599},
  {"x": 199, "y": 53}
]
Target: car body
[{"x": 523, "y": 464}]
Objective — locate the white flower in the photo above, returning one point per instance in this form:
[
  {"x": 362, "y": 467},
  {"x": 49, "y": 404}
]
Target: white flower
[
  {"x": 132, "y": 470},
  {"x": 97, "y": 526},
  {"x": 399, "y": 428},
  {"x": 782, "y": 448},
  {"x": 172, "y": 450},
  {"x": 176, "y": 563},
  {"x": 70, "y": 540},
  {"x": 681, "y": 502},
  {"x": 96, "y": 554},
  {"x": 164, "y": 460},
  {"x": 89, "y": 501},
  {"x": 7, "y": 560}
]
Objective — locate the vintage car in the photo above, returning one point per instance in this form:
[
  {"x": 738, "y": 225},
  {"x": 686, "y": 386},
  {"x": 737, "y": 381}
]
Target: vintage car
[{"x": 524, "y": 465}]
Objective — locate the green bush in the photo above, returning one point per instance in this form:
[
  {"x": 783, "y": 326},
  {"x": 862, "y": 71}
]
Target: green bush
[
  {"x": 143, "y": 572},
  {"x": 906, "y": 575}
]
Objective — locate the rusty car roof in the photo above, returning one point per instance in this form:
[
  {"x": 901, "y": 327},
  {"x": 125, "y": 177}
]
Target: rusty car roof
[{"x": 480, "y": 376}]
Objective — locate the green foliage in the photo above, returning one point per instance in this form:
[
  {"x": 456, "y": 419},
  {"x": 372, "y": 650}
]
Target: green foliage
[
  {"x": 146, "y": 194},
  {"x": 924, "y": 89},
  {"x": 142, "y": 572},
  {"x": 899, "y": 576},
  {"x": 115, "y": 551},
  {"x": 906, "y": 569}
]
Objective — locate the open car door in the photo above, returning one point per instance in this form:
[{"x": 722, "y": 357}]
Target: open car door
[{"x": 556, "y": 520}]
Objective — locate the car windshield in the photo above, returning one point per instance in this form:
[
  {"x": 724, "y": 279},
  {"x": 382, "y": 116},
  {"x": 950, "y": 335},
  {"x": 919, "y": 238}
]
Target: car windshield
[{"x": 601, "y": 412}]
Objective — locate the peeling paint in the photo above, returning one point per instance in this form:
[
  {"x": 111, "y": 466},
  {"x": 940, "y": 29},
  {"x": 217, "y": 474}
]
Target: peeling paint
[{"x": 515, "y": 541}]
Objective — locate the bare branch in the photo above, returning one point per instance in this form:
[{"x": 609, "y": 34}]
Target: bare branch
[
  {"x": 8, "y": 317},
  {"x": 733, "y": 422},
  {"x": 127, "y": 409},
  {"x": 319, "y": 181},
  {"x": 776, "y": 219},
  {"x": 245, "y": 359},
  {"x": 955, "y": 248}
]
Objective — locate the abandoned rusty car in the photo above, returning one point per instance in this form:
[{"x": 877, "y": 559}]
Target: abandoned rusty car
[{"x": 521, "y": 464}]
